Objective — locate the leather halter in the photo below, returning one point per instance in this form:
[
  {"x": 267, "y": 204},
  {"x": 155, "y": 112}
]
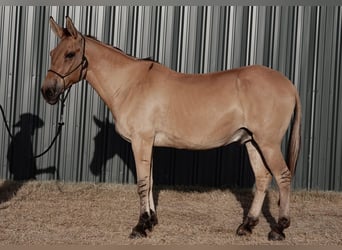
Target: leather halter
[{"x": 83, "y": 64}]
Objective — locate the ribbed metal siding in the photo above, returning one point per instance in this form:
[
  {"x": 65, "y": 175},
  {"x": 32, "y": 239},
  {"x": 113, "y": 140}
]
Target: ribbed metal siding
[{"x": 303, "y": 42}]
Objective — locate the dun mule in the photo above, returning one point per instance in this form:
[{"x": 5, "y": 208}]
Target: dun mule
[{"x": 155, "y": 106}]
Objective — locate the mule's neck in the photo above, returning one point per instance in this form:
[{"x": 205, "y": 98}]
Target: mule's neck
[{"x": 108, "y": 71}]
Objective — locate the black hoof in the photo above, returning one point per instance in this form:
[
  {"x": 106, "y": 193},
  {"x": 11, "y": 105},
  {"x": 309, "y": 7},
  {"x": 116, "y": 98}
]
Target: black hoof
[
  {"x": 145, "y": 225},
  {"x": 247, "y": 226},
  {"x": 275, "y": 235},
  {"x": 138, "y": 232},
  {"x": 243, "y": 230}
]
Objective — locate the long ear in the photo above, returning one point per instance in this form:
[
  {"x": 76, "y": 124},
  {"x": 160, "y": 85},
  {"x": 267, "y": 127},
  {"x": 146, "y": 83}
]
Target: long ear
[
  {"x": 71, "y": 28},
  {"x": 56, "y": 28}
]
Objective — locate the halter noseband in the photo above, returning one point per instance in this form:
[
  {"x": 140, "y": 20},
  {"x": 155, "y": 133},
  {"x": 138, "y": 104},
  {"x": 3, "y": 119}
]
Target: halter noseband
[{"x": 83, "y": 63}]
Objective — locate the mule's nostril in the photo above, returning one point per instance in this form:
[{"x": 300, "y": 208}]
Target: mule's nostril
[{"x": 50, "y": 93}]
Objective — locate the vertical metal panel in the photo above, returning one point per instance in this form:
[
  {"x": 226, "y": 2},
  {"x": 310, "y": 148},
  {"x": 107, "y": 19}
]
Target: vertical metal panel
[{"x": 303, "y": 42}]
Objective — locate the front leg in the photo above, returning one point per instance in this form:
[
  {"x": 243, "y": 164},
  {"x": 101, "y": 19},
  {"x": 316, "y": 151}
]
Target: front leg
[{"x": 142, "y": 150}]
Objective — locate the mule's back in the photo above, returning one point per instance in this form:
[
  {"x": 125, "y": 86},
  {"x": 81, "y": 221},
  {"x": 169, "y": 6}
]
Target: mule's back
[{"x": 196, "y": 111}]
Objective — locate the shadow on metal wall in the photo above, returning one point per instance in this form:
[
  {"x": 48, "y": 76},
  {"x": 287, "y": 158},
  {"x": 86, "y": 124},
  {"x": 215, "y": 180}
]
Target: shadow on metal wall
[
  {"x": 108, "y": 144},
  {"x": 20, "y": 156},
  {"x": 226, "y": 167}
]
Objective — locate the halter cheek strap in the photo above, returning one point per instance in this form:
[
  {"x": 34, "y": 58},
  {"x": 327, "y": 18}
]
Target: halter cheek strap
[{"x": 83, "y": 64}]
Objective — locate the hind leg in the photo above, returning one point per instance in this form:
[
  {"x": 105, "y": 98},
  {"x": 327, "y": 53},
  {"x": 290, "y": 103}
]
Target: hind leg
[
  {"x": 262, "y": 181},
  {"x": 277, "y": 165}
]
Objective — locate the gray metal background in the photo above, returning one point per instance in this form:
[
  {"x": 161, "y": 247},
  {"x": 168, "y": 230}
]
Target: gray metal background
[{"x": 303, "y": 42}]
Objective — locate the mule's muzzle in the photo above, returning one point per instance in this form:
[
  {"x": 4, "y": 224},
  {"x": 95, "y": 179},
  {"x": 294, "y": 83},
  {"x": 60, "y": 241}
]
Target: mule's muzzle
[{"x": 51, "y": 92}]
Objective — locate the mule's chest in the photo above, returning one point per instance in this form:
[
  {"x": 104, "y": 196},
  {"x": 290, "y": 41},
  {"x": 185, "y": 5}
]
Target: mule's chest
[{"x": 123, "y": 131}]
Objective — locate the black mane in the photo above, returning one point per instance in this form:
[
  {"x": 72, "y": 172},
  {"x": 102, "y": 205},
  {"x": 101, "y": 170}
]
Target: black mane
[
  {"x": 92, "y": 37},
  {"x": 149, "y": 59}
]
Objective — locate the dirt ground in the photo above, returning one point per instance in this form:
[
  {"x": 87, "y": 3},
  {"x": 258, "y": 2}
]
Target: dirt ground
[{"x": 51, "y": 213}]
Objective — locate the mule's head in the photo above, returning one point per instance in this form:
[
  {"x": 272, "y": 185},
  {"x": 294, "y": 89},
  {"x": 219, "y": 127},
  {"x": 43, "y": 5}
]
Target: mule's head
[{"x": 68, "y": 61}]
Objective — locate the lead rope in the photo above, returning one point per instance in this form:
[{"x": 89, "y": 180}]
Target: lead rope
[
  {"x": 5, "y": 121},
  {"x": 59, "y": 128}
]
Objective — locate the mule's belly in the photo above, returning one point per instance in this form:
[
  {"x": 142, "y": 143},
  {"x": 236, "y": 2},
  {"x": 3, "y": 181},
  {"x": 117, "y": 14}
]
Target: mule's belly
[
  {"x": 200, "y": 134},
  {"x": 201, "y": 143}
]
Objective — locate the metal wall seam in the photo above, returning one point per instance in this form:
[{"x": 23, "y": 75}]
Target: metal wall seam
[
  {"x": 336, "y": 134},
  {"x": 5, "y": 26}
]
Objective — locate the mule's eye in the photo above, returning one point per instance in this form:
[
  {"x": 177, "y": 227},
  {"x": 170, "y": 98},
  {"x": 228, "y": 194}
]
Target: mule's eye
[{"x": 70, "y": 55}]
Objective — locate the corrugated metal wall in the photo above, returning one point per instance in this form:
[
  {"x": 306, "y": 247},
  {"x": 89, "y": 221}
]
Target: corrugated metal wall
[{"x": 303, "y": 42}]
